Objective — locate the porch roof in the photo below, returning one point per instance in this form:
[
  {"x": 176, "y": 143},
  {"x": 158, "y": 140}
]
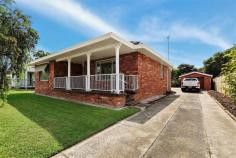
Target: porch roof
[{"x": 105, "y": 41}]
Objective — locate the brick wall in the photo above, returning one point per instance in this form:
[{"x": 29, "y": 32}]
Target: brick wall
[
  {"x": 101, "y": 98},
  {"x": 61, "y": 69},
  {"x": 150, "y": 81},
  {"x": 129, "y": 63},
  {"x": 135, "y": 63},
  {"x": 46, "y": 88}
]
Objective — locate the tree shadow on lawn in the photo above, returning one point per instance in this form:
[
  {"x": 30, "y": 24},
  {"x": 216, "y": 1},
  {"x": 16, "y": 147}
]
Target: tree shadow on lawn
[{"x": 67, "y": 122}]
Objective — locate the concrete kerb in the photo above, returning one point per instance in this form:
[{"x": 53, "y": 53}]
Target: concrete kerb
[{"x": 223, "y": 108}]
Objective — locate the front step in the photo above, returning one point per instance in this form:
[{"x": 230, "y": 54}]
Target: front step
[
  {"x": 130, "y": 100},
  {"x": 132, "y": 103}
]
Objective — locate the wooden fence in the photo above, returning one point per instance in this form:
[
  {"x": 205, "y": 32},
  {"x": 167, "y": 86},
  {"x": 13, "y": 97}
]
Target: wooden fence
[{"x": 219, "y": 84}]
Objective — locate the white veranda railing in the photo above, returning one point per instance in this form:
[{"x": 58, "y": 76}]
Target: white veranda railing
[
  {"x": 131, "y": 82},
  {"x": 106, "y": 82},
  {"x": 99, "y": 82},
  {"x": 60, "y": 82},
  {"x": 78, "y": 82},
  {"x": 21, "y": 83}
]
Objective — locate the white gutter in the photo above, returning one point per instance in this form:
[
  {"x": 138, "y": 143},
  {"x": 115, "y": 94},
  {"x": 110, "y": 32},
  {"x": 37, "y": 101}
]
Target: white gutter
[{"x": 98, "y": 39}]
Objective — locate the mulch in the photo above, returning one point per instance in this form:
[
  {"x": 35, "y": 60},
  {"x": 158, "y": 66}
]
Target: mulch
[{"x": 225, "y": 101}]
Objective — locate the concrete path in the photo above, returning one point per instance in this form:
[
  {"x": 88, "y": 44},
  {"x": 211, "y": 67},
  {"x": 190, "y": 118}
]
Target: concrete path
[{"x": 181, "y": 125}]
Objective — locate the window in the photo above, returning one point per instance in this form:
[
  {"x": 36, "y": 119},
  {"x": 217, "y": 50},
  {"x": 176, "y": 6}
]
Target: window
[
  {"x": 44, "y": 74},
  {"x": 162, "y": 71},
  {"x": 106, "y": 66}
]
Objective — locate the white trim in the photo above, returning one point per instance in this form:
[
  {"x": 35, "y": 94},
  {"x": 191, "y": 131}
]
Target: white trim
[
  {"x": 70, "y": 49},
  {"x": 111, "y": 35},
  {"x": 68, "y": 73},
  {"x": 117, "y": 51},
  {"x": 88, "y": 72},
  {"x": 88, "y": 52},
  {"x": 195, "y": 72},
  {"x": 41, "y": 67}
]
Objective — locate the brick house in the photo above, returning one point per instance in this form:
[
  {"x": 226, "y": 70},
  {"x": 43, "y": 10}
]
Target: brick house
[
  {"x": 205, "y": 79},
  {"x": 107, "y": 70}
]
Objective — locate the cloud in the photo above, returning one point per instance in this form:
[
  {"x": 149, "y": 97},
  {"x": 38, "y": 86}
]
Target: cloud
[
  {"x": 73, "y": 14},
  {"x": 70, "y": 12},
  {"x": 157, "y": 30}
]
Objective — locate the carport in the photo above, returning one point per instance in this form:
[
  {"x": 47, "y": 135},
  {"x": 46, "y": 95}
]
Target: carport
[{"x": 205, "y": 79}]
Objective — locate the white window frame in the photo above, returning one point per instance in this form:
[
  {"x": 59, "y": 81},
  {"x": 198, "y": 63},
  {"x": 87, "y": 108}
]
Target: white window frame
[{"x": 111, "y": 60}]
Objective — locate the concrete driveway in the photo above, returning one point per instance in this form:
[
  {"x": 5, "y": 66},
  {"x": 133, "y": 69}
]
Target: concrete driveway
[{"x": 180, "y": 125}]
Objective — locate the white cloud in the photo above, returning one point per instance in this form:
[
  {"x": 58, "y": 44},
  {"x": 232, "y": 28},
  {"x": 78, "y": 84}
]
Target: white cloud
[
  {"x": 70, "y": 12},
  {"x": 158, "y": 30},
  {"x": 73, "y": 14}
]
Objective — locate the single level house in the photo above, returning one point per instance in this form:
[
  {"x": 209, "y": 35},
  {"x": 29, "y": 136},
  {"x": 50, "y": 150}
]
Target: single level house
[
  {"x": 205, "y": 79},
  {"x": 106, "y": 70},
  {"x": 26, "y": 80}
]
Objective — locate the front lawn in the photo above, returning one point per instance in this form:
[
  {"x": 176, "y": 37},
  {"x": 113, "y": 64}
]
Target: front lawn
[{"x": 37, "y": 126}]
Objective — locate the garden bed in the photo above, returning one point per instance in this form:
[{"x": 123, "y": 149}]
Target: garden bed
[{"x": 225, "y": 101}]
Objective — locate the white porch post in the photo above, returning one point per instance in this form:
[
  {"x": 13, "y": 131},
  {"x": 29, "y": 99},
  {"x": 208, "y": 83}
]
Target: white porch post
[
  {"x": 117, "y": 48},
  {"x": 69, "y": 74},
  {"x": 88, "y": 72}
]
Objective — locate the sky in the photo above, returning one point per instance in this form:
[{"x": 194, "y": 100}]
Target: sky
[{"x": 197, "y": 28}]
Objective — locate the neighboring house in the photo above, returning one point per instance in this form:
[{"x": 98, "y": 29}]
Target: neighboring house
[
  {"x": 205, "y": 79},
  {"x": 26, "y": 81},
  {"x": 106, "y": 70}
]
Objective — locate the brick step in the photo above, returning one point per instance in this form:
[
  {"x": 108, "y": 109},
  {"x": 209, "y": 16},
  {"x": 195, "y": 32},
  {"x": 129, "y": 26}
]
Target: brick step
[{"x": 132, "y": 103}]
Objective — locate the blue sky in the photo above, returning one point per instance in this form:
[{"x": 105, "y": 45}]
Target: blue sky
[{"x": 197, "y": 28}]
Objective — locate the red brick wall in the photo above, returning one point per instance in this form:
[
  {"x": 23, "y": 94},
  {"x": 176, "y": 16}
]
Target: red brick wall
[
  {"x": 92, "y": 97},
  {"x": 207, "y": 79},
  {"x": 45, "y": 87},
  {"x": 148, "y": 70},
  {"x": 150, "y": 81},
  {"x": 129, "y": 63},
  {"x": 61, "y": 69}
]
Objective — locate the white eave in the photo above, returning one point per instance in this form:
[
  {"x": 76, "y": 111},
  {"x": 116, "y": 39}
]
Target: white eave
[
  {"x": 141, "y": 48},
  {"x": 195, "y": 72}
]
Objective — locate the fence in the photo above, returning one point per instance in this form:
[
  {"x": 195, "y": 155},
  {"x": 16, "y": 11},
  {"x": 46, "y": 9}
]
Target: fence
[
  {"x": 99, "y": 82},
  {"x": 219, "y": 84},
  {"x": 20, "y": 83}
]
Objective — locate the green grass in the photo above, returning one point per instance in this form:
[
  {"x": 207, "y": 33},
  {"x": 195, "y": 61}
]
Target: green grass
[{"x": 37, "y": 126}]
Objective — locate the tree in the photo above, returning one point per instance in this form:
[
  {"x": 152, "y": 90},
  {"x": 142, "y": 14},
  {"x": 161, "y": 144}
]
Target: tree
[
  {"x": 17, "y": 39},
  {"x": 175, "y": 82},
  {"x": 229, "y": 71},
  {"x": 39, "y": 54},
  {"x": 214, "y": 64},
  {"x": 186, "y": 68},
  {"x": 181, "y": 69}
]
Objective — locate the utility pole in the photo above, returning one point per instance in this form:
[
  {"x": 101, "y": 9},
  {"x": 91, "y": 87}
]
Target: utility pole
[{"x": 168, "y": 46}]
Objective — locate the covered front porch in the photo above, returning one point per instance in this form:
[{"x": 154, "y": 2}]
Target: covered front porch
[{"x": 97, "y": 69}]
